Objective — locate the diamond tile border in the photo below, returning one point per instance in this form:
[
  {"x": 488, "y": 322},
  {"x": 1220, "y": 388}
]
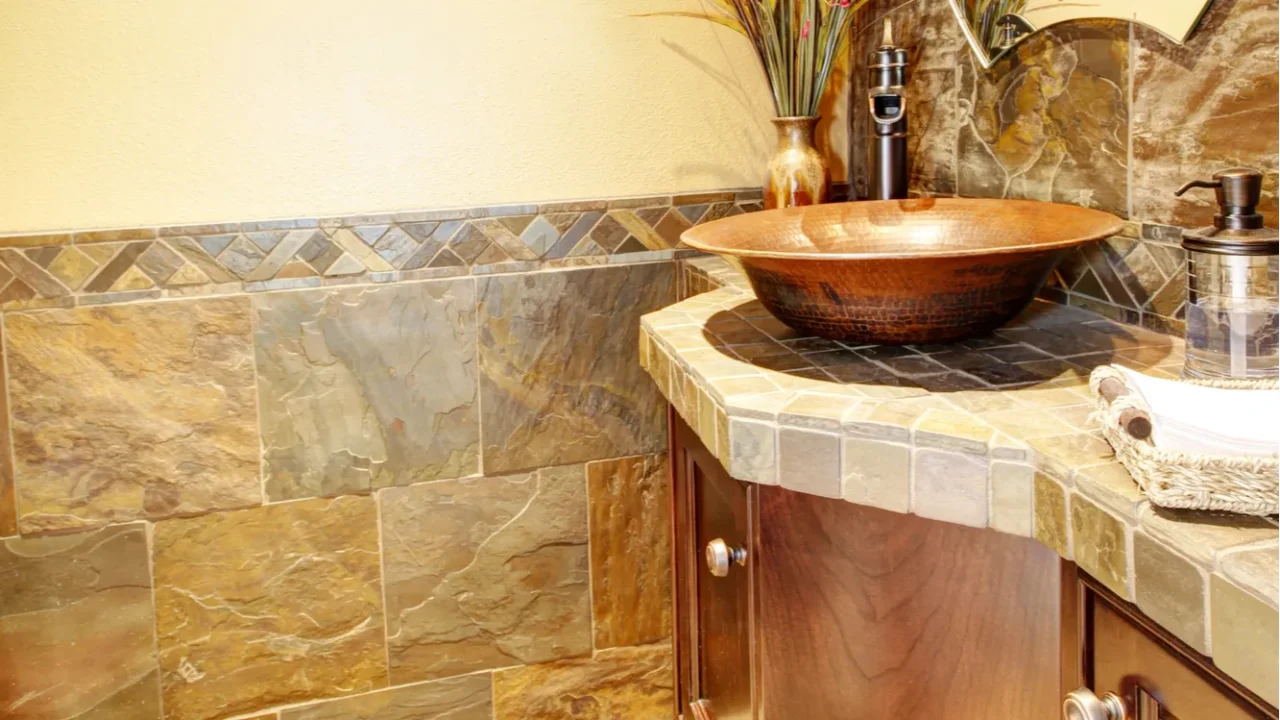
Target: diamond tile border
[
  {"x": 992, "y": 432},
  {"x": 65, "y": 269}
]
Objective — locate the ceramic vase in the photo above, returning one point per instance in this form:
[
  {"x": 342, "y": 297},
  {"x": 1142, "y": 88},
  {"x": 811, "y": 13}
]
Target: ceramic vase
[{"x": 798, "y": 173}]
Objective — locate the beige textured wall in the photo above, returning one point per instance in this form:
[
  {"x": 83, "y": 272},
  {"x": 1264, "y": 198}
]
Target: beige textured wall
[{"x": 134, "y": 112}]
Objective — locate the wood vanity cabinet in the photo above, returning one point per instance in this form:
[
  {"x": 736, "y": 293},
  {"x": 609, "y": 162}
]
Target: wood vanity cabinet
[
  {"x": 790, "y": 606},
  {"x": 1123, "y": 653}
]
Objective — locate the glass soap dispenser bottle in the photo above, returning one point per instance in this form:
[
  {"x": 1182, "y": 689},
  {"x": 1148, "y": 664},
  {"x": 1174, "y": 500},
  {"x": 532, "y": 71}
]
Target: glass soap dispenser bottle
[{"x": 1232, "y": 286}]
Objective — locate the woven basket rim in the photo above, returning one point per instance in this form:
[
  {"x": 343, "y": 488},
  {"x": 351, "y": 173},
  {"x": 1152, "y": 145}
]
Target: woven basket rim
[{"x": 1143, "y": 447}]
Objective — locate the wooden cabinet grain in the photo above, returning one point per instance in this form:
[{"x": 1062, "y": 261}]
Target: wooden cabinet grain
[
  {"x": 843, "y": 612},
  {"x": 871, "y": 614}
]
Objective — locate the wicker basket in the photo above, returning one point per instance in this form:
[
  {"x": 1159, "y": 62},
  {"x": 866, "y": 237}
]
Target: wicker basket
[{"x": 1248, "y": 485}]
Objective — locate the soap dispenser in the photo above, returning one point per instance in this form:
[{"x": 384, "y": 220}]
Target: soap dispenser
[
  {"x": 1232, "y": 285},
  {"x": 887, "y": 137}
]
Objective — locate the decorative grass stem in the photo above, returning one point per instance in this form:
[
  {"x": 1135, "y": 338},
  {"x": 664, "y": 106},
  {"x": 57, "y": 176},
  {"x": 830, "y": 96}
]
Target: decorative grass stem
[{"x": 797, "y": 42}]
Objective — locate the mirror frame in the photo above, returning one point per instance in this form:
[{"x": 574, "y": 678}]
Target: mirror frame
[{"x": 987, "y": 59}]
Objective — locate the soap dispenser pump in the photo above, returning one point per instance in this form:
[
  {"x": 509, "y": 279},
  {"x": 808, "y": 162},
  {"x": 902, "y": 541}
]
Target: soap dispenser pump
[
  {"x": 1233, "y": 284},
  {"x": 887, "y": 137}
]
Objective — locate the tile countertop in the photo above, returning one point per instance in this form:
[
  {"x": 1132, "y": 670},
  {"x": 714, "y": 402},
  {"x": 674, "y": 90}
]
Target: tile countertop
[{"x": 991, "y": 432}]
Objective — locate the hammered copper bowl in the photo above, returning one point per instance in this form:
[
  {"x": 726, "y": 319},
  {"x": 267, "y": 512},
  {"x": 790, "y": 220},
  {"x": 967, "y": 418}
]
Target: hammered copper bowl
[{"x": 896, "y": 272}]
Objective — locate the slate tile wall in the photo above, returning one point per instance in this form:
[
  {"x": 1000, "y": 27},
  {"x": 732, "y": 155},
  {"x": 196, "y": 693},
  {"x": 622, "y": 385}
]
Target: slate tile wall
[
  {"x": 263, "y": 490},
  {"x": 1102, "y": 114}
]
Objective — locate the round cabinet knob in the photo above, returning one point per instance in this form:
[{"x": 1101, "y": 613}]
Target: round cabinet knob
[
  {"x": 720, "y": 557},
  {"x": 1082, "y": 704}
]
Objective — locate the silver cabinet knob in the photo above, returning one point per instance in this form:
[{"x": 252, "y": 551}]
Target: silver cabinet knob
[
  {"x": 1082, "y": 704},
  {"x": 720, "y": 557}
]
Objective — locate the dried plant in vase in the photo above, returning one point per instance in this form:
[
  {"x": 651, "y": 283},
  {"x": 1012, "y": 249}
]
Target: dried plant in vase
[{"x": 798, "y": 42}]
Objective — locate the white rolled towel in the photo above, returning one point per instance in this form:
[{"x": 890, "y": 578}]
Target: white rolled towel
[{"x": 1204, "y": 420}]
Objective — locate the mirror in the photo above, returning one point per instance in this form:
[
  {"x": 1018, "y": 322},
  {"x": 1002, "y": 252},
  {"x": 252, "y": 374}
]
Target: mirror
[{"x": 993, "y": 27}]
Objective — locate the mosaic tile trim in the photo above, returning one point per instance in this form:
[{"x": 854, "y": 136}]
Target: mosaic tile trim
[
  {"x": 1138, "y": 277},
  {"x": 990, "y": 432},
  {"x": 107, "y": 266}
]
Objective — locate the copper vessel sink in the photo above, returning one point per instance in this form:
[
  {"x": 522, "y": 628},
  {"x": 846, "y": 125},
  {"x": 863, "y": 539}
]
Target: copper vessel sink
[{"x": 902, "y": 271}]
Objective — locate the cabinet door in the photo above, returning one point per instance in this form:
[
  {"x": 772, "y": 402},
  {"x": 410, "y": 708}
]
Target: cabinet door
[
  {"x": 1154, "y": 675},
  {"x": 713, "y": 613},
  {"x": 867, "y": 614}
]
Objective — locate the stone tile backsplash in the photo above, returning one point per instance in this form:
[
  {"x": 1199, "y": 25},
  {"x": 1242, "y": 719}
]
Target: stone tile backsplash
[
  {"x": 268, "y": 606},
  {"x": 1102, "y": 114},
  {"x": 486, "y": 573},
  {"x": 381, "y": 466},
  {"x": 132, "y": 412},
  {"x": 77, "y": 626},
  {"x": 559, "y": 381},
  {"x": 367, "y": 387}
]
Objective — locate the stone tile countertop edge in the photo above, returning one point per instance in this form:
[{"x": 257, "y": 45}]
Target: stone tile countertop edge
[{"x": 994, "y": 432}]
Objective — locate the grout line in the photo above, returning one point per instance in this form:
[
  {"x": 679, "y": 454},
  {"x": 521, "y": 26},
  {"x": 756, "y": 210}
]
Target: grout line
[
  {"x": 322, "y": 701},
  {"x": 493, "y": 698},
  {"x": 149, "y": 533},
  {"x": 257, "y": 401},
  {"x": 475, "y": 327},
  {"x": 1208, "y": 612},
  {"x": 591, "y": 590},
  {"x": 382, "y": 587},
  {"x": 1129, "y": 165},
  {"x": 11, "y": 454}
]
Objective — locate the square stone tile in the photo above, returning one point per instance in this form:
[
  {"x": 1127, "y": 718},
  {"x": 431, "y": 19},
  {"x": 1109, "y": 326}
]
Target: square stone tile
[
  {"x": 1201, "y": 536},
  {"x": 559, "y": 379},
  {"x": 877, "y": 473},
  {"x": 951, "y": 430},
  {"x": 706, "y": 418},
  {"x": 753, "y": 453},
  {"x": 1024, "y": 424},
  {"x": 1012, "y": 497},
  {"x": 1098, "y": 544},
  {"x": 634, "y": 683},
  {"x": 1186, "y": 124},
  {"x": 883, "y": 419},
  {"x": 1245, "y": 637},
  {"x": 1049, "y": 524},
  {"x": 1170, "y": 589},
  {"x": 1062, "y": 455},
  {"x": 1256, "y": 569},
  {"x": 660, "y": 368},
  {"x": 809, "y": 462},
  {"x": 1112, "y": 487},
  {"x": 950, "y": 486},
  {"x": 462, "y": 698},
  {"x": 367, "y": 387},
  {"x": 269, "y": 606},
  {"x": 816, "y": 412},
  {"x": 132, "y": 411},
  {"x": 1004, "y": 447},
  {"x": 630, "y": 507},
  {"x": 486, "y": 573},
  {"x": 77, "y": 624},
  {"x": 722, "y": 436}
]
